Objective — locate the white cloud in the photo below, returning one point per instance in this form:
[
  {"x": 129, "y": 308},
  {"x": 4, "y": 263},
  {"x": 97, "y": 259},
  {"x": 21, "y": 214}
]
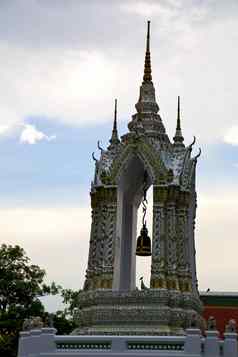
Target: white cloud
[
  {"x": 216, "y": 241},
  {"x": 148, "y": 9},
  {"x": 30, "y": 135},
  {"x": 231, "y": 136},
  {"x": 76, "y": 84},
  {"x": 57, "y": 239},
  {"x": 3, "y": 129},
  {"x": 63, "y": 85}
]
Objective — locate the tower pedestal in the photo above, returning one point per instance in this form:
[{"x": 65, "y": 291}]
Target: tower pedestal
[{"x": 148, "y": 312}]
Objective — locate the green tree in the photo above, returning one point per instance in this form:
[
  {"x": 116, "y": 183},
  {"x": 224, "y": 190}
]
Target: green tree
[
  {"x": 71, "y": 300},
  {"x": 21, "y": 285},
  {"x": 63, "y": 323},
  {"x": 20, "y": 281}
]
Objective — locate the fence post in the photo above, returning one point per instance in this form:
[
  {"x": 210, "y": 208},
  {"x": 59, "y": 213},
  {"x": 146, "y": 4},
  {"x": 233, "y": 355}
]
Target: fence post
[
  {"x": 230, "y": 344},
  {"x": 193, "y": 342},
  {"x": 211, "y": 345},
  {"x": 47, "y": 339},
  {"x": 34, "y": 343},
  {"x": 118, "y": 344},
  {"x": 23, "y": 344}
]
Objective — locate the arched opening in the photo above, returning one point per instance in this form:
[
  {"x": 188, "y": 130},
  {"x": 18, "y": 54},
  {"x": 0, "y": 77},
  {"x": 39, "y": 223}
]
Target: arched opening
[
  {"x": 143, "y": 264},
  {"x": 130, "y": 193}
]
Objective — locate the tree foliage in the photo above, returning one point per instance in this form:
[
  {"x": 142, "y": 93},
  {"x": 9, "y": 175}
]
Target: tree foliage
[
  {"x": 21, "y": 286},
  {"x": 20, "y": 281},
  {"x": 70, "y": 299},
  {"x": 63, "y": 323}
]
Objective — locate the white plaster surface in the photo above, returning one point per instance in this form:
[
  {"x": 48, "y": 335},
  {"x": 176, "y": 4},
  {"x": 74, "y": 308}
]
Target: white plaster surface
[{"x": 39, "y": 343}]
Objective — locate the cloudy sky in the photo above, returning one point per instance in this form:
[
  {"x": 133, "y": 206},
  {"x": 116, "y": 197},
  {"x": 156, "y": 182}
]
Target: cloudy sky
[{"x": 62, "y": 63}]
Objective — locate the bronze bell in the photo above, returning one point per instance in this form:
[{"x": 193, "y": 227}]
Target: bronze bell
[{"x": 143, "y": 246}]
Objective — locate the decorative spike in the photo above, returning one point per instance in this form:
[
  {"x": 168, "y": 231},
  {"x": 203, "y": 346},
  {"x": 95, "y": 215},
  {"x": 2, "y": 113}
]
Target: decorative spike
[
  {"x": 190, "y": 147},
  {"x": 148, "y": 37},
  {"x": 147, "y": 68},
  {"x": 194, "y": 140},
  {"x": 199, "y": 154},
  {"x": 115, "y": 117},
  {"x": 114, "y": 139},
  {"x": 99, "y": 146},
  {"x": 178, "y": 138},
  {"x": 94, "y": 158},
  {"x": 178, "y": 115}
]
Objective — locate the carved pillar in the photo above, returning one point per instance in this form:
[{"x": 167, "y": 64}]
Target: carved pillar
[
  {"x": 192, "y": 250},
  {"x": 109, "y": 234},
  {"x": 102, "y": 240},
  {"x": 158, "y": 264},
  {"x": 182, "y": 230},
  {"x": 90, "y": 273},
  {"x": 171, "y": 246}
]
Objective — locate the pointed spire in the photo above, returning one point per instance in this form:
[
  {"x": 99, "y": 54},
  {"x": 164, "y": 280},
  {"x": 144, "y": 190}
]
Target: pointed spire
[
  {"x": 178, "y": 116},
  {"x": 147, "y": 68},
  {"x": 115, "y": 117},
  {"x": 147, "y": 118},
  {"x": 178, "y": 138},
  {"x": 114, "y": 138},
  {"x": 147, "y": 102}
]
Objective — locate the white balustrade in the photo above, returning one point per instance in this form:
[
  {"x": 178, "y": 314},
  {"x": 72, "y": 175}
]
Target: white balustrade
[{"x": 44, "y": 343}]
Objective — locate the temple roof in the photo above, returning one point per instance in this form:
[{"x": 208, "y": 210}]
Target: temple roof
[{"x": 148, "y": 140}]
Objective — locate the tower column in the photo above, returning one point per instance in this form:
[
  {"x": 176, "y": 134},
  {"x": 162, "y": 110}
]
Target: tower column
[
  {"x": 192, "y": 250},
  {"x": 158, "y": 264},
  {"x": 184, "y": 266},
  {"x": 90, "y": 273},
  {"x": 172, "y": 278},
  {"x": 102, "y": 240}
]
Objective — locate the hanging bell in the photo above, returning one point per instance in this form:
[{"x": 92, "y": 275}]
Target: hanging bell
[{"x": 143, "y": 246}]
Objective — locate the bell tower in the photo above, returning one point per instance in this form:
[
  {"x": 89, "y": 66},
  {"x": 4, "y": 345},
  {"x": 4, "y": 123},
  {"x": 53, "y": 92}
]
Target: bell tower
[{"x": 110, "y": 303}]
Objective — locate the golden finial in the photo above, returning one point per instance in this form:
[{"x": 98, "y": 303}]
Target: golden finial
[
  {"x": 178, "y": 138},
  {"x": 147, "y": 69},
  {"x": 115, "y": 116},
  {"x": 114, "y": 139},
  {"x": 178, "y": 115}
]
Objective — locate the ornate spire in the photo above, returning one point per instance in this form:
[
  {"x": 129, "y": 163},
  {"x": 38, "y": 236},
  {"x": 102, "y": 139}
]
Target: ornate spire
[
  {"x": 178, "y": 116},
  {"x": 114, "y": 138},
  {"x": 147, "y": 68},
  {"x": 147, "y": 120},
  {"x": 147, "y": 102},
  {"x": 178, "y": 138}
]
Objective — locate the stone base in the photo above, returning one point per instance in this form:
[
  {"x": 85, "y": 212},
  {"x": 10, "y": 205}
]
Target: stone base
[
  {"x": 148, "y": 312},
  {"x": 148, "y": 330}
]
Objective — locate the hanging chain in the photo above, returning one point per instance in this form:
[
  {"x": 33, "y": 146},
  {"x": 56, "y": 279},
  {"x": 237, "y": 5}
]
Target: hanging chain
[{"x": 144, "y": 201}]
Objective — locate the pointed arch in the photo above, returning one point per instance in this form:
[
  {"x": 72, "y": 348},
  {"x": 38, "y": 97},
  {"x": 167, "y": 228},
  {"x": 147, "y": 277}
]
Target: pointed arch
[{"x": 152, "y": 161}]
